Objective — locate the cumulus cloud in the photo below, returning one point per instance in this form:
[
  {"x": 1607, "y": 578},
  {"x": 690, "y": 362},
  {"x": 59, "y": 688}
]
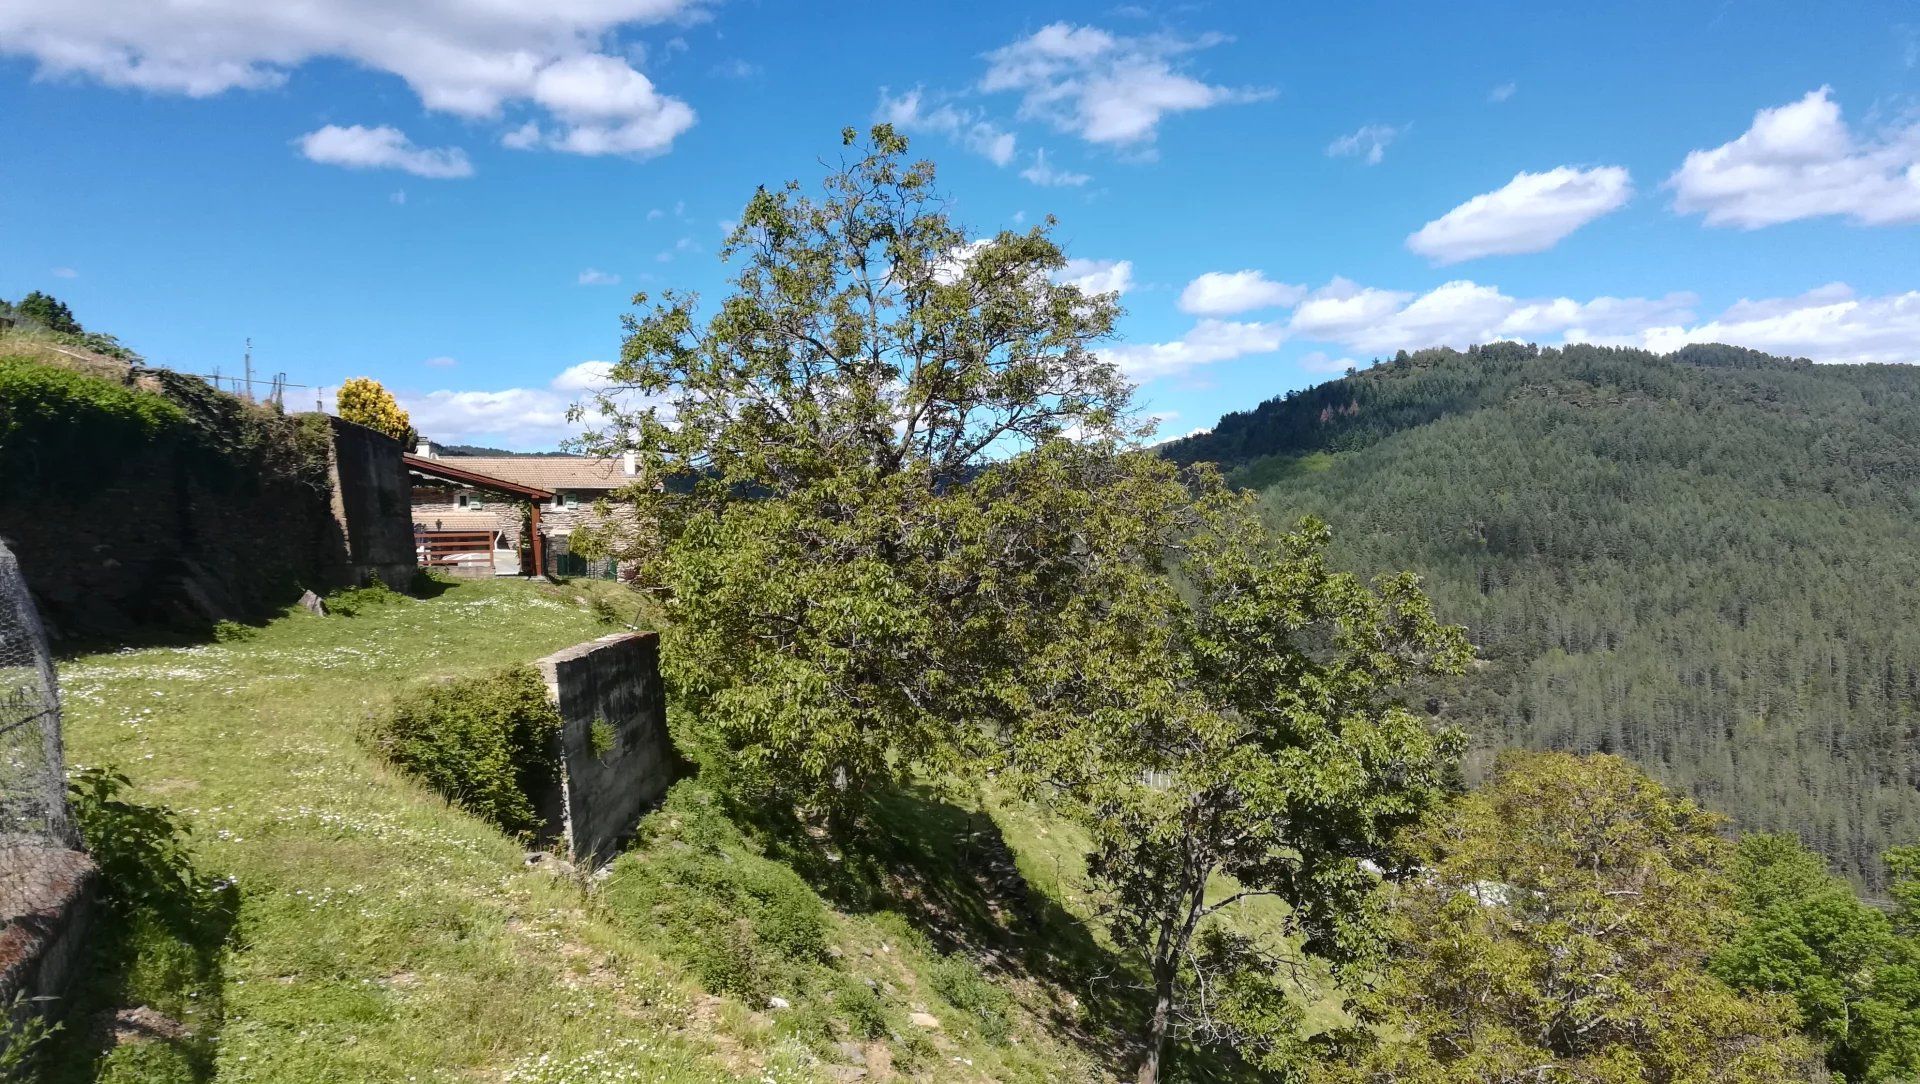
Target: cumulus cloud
[
  {"x": 1042, "y": 172},
  {"x": 1369, "y": 141},
  {"x": 1802, "y": 161},
  {"x": 593, "y": 276},
  {"x": 1224, "y": 293},
  {"x": 473, "y": 58},
  {"x": 1207, "y": 342},
  {"x": 910, "y": 112},
  {"x": 1502, "y": 92},
  {"x": 1097, "y": 276},
  {"x": 1344, "y": 320},
  {"x": 360, "y": 147},
  {"x": 523, "y": 418},
  {"x": 1829, "y": 324},
  {"x": 1106, "y": 88},
  {"x": 1531, "y": 213}
]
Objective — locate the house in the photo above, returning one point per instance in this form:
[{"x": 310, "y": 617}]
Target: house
[{"x": 507, "y": 495}]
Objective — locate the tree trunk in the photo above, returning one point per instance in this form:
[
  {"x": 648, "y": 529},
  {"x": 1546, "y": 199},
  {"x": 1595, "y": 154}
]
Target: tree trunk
[{"x": 1157, "y": 1028}]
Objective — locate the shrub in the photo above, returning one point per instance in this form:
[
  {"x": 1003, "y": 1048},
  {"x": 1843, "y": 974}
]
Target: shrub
[
  {"x": 233, "y": 632},
  {"x": 353, "y": 601},
  {"x": 486, "y": 742},
  {"x": 57, "y": 424}
]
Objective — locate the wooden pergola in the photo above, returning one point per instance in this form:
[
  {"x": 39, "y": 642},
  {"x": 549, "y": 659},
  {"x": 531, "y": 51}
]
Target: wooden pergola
[{"x": 438, "y": 468}]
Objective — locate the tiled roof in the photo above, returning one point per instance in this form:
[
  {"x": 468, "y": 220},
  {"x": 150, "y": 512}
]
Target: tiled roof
[
  {"x": 457, "y": 521},
  {"x": 546, "y": 471}
]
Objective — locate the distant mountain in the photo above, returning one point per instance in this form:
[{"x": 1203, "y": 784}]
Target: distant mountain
[{"x": 1707, "y": 561}]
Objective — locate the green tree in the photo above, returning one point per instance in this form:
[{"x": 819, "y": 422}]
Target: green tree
[
  {"x": 48, "y": 311},
  {"x": 1556, "y": 927},
  {"x": 1230, "y": 736},
  {"x": 1855, "y": 981},
  {"x": 364, "y": 401},
  {"x": 858, "y": 493}
]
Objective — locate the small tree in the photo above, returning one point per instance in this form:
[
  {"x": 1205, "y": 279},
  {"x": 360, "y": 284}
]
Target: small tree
[
  {"x": 364, "y": 401},
  {"x": 1556, "y": 927},
  {"x": 860, "y": 496},
  {"x": 48, "y": 311},
  {"x": 1233, "y": 740}
]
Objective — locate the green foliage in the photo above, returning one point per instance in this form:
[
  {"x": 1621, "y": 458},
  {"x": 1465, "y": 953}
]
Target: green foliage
[
  {"x": 485, "y": 742},
  {"x": 892, "y": 400},
  {"x": 1702, "y": 562},
  {"x": 48, "y": 312},
  {"x": 159, "y": 944},
  {"x": 55, "y": 423},
  {"x": 601, "y": 738},
  {"x": 959, "y": 980},
  {"x": 1855, "y": 981},
  {"x": 232, "y": 632},
  {"x": 24, "y": 1034},
  {"x": 743, "y": 924},
  {"x": 1241, "y": 727},
  {"x": 1555, "y": 925},
  {"x": 354, "y": 601}
]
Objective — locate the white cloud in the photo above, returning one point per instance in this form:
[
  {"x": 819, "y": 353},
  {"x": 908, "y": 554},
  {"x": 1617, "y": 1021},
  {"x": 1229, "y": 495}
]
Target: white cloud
[
  {"x": 1319, "y": 362},
  {"x": 1802, "y": 161},
  {"x": 1502, "y": 92},
  {"x": 441, "y": 362},
  {"x": 1105, "y": 88},
  {"x": 595, "y": 277},
  {"x": 521, "y": 418},
  {"x": 1041, "y": 172},
  {"x": 474, "y": 58},
  {"x": 65, "y": 273},
  {"x": 1829, "y": 324},
  {"x": 1530, "y": 214},
  {"x": 360, "y": 147},
  {"x": 1097, "y": 276},
  {"x": 909, "y": 112},
  {"x": 1224, "y": 293},
  {"x": 1369, "y": 141},
  {"x": 1208, "y": 341},
  {"x": 1462, "y": 312}
]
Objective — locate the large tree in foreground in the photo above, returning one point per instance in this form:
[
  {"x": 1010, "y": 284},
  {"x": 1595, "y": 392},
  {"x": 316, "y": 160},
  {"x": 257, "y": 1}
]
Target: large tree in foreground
[
  {"x": 1556, "y": 929},
  {"x": 868, "y": 475},
  {"x": 1232, "y": 739}
]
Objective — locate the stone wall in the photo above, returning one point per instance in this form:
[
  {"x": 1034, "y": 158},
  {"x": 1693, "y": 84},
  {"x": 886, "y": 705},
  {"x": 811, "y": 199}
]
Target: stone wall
[
  {"x": 610, "y": 696},
  {"x": 46, "y": 906},
  {"x": 373, "y": 506}
]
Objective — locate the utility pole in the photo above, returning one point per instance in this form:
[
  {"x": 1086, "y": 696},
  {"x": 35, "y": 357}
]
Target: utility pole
[{"x": 248, "y": 362}]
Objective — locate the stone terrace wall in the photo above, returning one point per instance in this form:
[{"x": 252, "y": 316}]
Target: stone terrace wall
[
  {"x": 373, "y": 506},
  {"x": 613, "y": 681}
]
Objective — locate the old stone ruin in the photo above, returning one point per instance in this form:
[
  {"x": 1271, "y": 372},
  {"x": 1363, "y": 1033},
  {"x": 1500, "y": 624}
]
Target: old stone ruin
[
  {"x": 616, "y": 758},
  {"x": 46, "y": 882}
]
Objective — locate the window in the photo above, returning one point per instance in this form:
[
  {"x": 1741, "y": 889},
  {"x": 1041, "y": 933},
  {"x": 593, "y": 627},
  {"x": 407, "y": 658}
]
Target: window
[{"x": 461, "y": 500}]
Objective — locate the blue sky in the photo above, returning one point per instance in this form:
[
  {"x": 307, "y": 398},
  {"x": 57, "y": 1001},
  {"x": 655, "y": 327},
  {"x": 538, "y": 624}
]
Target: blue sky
[{"x": 443, "y": 195}]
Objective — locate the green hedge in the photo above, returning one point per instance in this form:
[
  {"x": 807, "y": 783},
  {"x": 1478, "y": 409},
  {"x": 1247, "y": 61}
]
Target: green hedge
[
  {"x": 53, "y": 420},
  {"x": 486, "y": 743}
]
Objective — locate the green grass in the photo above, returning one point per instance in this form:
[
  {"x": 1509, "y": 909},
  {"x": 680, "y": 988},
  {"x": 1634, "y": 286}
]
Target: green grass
[
  {"x": 372, "y": 932},
  {"x": 380, "y": 934}
]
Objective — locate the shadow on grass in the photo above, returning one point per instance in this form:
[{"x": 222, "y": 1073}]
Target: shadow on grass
[{"x": 950, "y": 873}]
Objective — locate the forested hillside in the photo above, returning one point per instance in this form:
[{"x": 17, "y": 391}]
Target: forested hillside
[{"x": 1707, "y": 561}]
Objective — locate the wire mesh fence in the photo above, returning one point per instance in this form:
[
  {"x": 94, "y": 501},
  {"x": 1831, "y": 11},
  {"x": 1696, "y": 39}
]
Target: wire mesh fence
[{"x": 33, "y": 799}]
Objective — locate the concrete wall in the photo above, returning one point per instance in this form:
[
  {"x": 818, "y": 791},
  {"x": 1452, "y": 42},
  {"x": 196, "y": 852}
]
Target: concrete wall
[
  {"x": 373, "y": 504},
  {"x": 614, "y": 680}
]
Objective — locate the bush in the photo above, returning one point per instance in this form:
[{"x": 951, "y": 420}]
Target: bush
[
  {"x": 57, "y": 424},
  {"x": 486, "y": 742},
  {"x": 353, "y": 601}
]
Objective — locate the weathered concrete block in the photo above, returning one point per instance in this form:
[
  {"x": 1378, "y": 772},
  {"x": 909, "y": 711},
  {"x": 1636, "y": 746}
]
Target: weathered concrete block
[
  {"x": 616, "y": 757},
  {"x": 46, "y": 906}
]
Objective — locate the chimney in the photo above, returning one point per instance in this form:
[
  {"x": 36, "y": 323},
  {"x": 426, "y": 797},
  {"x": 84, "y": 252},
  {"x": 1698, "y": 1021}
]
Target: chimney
[
  {"x": 627, "y": 459},
  {"x": 425, "y": 450}
]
